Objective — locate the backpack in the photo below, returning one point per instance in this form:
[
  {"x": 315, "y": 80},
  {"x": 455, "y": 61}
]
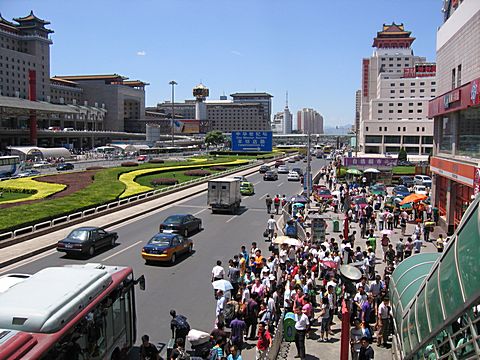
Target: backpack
[
  {"x": 183, "y": 355},
  {"x": 213, "y": 354},
  {"x": 182, "y": 323}
]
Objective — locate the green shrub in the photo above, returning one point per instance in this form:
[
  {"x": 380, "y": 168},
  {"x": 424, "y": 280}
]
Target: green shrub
[
  {"x": 156, "y": 161},
  {"x": 95, "y": 168},
  {"x": 164, "y": 181},
  {"x": 218, "y": 168}
]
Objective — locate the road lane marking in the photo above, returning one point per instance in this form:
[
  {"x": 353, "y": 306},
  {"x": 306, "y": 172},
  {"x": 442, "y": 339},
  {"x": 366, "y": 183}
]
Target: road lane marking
[
  {"x": 199, "y": 212},
  {"x": 233, "y": 217},
  {"x": 27, "y": 261},
  {"x": 258, "y": 182},
  {"x": 280, "y": 184},
  {"x": 191, "y": 206},
  {"x": 262, "y": 197},
  {"x": 123, "y": 250}
]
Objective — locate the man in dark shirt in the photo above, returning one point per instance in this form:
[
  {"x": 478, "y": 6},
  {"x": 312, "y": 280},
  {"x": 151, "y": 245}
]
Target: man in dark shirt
[
  {"x": 238, "y": 328},
  {"x": 148, "y": 351},
  {"x": 366, "y": 351},
  {"x": 179, "y": 326}
]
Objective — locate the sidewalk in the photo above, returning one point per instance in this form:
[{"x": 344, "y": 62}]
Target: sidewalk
[{"x": 331, "y": 350}]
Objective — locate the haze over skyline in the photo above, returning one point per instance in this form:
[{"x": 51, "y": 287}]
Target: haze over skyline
[{"x": 310, "y": 48}]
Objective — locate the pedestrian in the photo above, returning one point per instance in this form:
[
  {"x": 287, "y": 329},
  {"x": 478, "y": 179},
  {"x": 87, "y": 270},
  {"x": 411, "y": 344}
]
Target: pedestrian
[
  {"x": 385, "y": 242},
  {"x": 148, "y": 351},
  {"x": 220, "y": 308},
  {"x": 403, "y": 225},
  {"x": 217, "y": 351},
  {"x": 268, "y": 202},
  {"x": 383, "y": 322},
  {"x": 366, "y": 351},
  {"x": 408, "y": 247},
  {"x": 356, "y": 335},
  {"x": 302, "y": 324},
  {"x": 271, "y": 227},
  {"x": 440, "y": 243},
  {"x": 251, "y": 316},
  {"x": 218, "y": 272},
  {"x": 276, "y": 203},
  {"x": 264, "y": 341},
  {"x": 179, "y": 353},
  {"x": 234, "y": 353},
  {"x": 179, "y": 326},
  {"x": 324, "y": 319},
  {"x": 417, "y": 245},
  {"x": 400, "y": 248},
  {"x": 233, "y": 276},
  {"x": 390, "y": 255},
  {"x": 238, "y": 328}
]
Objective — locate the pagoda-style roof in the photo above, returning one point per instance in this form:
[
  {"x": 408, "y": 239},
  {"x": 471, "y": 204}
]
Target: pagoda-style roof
[
  {"x": 7, "y": 23},
  {"x": 393, "y": 35},
  {"x": 63, "y": 81},
  {"x": 251, "y": 94},
  {"x": 31, "y": 17},
  {"x": 135, "y": 83},
  {"x": 106, "y": 77}
]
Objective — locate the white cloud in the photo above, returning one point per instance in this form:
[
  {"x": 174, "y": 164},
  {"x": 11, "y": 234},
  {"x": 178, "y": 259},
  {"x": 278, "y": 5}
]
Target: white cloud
[
  {"x": 235, "y": 52},
  {"x": 141, "y": 53}
]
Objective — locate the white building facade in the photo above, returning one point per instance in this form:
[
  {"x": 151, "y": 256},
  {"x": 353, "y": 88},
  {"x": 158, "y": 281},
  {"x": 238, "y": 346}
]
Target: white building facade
[
  {"x": 396, "y": 88},
  {"x": 309, "y": 120}
]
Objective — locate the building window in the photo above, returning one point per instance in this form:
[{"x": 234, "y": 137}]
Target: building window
[
  {"x": 399, "y": 111},
  {"x": 402, "y": 84},
  {"x": 392, "y": 91},
  {"x": 419, "y": 110},
  {"x": 412, "y": 91},
  {"x": 422, "y": 83},
  {"x": 380, "y": 111},
  {"x": 402, "y": 91},
  {"x": 384, "y": 128},
  {"x": 459, "y": 75},
  {"x": 366, "y": 128},
  {"x": 380, "y": 104},
  {"x": 376, "y": 139},
  {"x": 392, "y": 84},
  {"x": 411, "y": 139},
  {"x": 390, "y": 111},
  {"x": 390, "y": 104},
  {"x": 423, "y": 129},
  {"x": 453, "y": 78},
  {"x": 410, "y": 111},
  {"x": 418, "y": 129},
  {"x": 446, "y": 135},
  {"x": 379, "y": 128},
  {"x": 392, "y": 139},
  {"x": 399, "y": 128},
  {"x": 404, "y": 128}
]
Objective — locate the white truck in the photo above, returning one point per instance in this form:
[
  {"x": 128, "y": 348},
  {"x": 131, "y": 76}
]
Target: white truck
[{"x": 224, "y": 195}]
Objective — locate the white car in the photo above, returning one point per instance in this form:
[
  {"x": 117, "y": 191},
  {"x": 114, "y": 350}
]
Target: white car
[
  {"x": 293, "y": 176},
  {"x": 420, "y": 189},
  {"x": 283, "y": 169},
  {"x": 41, "y": 164},
  {"x": 423, "y": 180}
]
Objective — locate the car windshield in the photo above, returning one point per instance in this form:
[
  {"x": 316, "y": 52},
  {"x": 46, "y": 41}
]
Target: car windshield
[
  {"x": 174, "y": 219},
  {"x": 79, "y": 235},
  {"x": 160, "y": 240},
  {"x": 245, "y": 185},
  {"x": 420, "y": 188},
  {"x": 401, "y": 188}
]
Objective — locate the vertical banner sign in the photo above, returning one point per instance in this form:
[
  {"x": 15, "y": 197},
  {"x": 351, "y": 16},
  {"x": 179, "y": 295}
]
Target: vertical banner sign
[{"x": 476, "y": 181}]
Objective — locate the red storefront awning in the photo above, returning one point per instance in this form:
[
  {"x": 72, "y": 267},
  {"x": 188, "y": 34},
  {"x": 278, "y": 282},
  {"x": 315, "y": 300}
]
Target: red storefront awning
[{"x": 458, "y": 99}]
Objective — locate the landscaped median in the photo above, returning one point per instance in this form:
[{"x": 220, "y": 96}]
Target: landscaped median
[
  {"x": 134, "y": 188},
  {"x": 37, "y": 189}
]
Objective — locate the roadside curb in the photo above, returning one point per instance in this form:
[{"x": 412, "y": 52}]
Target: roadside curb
[{"x": 38, "y": 251}]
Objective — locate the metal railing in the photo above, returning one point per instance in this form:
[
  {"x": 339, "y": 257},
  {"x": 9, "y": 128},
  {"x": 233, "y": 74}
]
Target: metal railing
[
  {"x": 277, "y": 340},
  {"x": 120, "y": 204}
]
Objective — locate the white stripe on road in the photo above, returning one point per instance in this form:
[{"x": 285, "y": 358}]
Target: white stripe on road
[
  {"x": 199, "y": 212},
  {"x": 233, "y": 217},
  {"x": 280, "y": 184},
  {"x": 121, "y": 251},
  {"x": 262, "y": 197},
  {"x": 258, "y": 182}
]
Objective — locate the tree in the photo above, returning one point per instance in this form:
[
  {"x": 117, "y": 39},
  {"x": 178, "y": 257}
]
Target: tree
[
  {"x": 214, "y": 138},
  {"x": 402, "y": 154}
]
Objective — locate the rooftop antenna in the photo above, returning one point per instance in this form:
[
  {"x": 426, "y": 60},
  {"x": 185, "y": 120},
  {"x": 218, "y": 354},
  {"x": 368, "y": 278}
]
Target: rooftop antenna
[{"x": 286, "y": 99}]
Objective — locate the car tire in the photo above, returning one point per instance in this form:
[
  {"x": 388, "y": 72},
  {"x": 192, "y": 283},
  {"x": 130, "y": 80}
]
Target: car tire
[
  {"x": 190, "y": 249},
  {"x": 113, "y": 242},
  {"x": 199, "y": 228},
  {"x": 91, "y": 250},
  {"x": 173, "y": 259}
]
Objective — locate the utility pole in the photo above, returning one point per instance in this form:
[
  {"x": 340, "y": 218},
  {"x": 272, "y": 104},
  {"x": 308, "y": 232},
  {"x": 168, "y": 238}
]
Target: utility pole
[
  {"x": 173, "y": 83},
  {"x": 309, "y": 168},
  {"x": 356, "y": 140}
]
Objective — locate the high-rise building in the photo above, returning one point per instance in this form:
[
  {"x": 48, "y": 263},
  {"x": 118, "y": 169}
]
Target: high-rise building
[
  {"x": 309, "y": 119},
  {"x": 263, "y": 98},
  {"x": 456, "y": 112},
  {"x": 358, "y": 105},
  {"x": 282, "y": 121},
  {"x": 396, "y": 88}
]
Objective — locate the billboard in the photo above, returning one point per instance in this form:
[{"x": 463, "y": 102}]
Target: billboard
[
  {"x": 187, "y": 126},
  {"x": 420, "y": 70},
  {"x": 252, "y": 140},
  {"x": 369, "y": 162}
]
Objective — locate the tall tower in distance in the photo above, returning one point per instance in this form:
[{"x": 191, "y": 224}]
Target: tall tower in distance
[
  {"x": 200, "y": 92},
  {"x": 287, "y": 117}
]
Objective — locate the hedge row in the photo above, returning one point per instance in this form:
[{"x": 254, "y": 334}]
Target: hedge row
[
  {"x": 199, "y": 172},
  {"x": 164, "y": 181}
]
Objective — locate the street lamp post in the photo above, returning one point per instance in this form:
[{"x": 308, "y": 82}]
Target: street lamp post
[
  {"x": 173, "y": 83},
  {"x": 309, "y": 169},
  {"x": 356, "y": 141}
]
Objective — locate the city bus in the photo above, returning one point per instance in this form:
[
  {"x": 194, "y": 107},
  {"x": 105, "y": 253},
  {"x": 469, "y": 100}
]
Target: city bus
[
  {"x": 8, "y": 165},
  {"x": 70, "y": 312}
]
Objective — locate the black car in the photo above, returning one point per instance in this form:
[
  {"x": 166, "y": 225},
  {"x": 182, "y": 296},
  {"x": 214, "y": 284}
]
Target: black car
[
  {"x": 263, "y": 169},
  {"x": 87, "y": 240},
  {"x": 270, "y": 176},
  {"x": 406, "y": 180},
  {"x": 65, "y": 166},
  {"x": 298, "y": 171},
  {"x": 184, "y": 224}
]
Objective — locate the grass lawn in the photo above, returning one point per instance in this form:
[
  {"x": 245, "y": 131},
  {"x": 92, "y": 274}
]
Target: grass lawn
[
  {"x": 8, "y": 196},
  {"x": 146, "y": 179},
  {"x": 403, "y": 170}
]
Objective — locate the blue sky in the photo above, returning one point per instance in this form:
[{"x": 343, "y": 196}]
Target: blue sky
[{"x": 312, "y": 48}]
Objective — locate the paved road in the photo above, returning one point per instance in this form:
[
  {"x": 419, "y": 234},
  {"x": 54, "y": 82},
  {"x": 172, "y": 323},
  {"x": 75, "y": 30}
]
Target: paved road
[{"x": 185, "y": 286}]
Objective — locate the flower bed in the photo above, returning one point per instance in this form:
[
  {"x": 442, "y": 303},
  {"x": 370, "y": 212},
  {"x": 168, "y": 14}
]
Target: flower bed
[
  {"x": 129, "y": 164},
  {"x": 39, "y": 190},
  {"x": 164, "y": 181},
  {"x": 199, "y": 172}
]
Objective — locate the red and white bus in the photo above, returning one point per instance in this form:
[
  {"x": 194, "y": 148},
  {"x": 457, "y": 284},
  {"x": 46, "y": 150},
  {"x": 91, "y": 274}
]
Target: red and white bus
[{"x": 70, "y": 312}]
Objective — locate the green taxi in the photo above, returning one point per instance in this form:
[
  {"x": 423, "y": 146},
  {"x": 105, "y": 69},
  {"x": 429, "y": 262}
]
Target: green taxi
[{"x": 246, "y": 188}]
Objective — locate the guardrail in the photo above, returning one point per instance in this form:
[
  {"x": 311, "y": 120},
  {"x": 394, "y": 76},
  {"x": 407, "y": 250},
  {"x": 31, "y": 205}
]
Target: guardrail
[
  {"x": 277, "y": 340},
  {"x": 120, "y": 204}
]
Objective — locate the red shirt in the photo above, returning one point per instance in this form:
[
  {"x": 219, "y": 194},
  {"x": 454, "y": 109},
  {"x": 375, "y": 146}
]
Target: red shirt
[{"x": 263, "y": 340}]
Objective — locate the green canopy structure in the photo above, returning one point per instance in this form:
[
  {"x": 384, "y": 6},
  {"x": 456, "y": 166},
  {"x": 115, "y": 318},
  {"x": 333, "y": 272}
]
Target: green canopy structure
[{"x": 354, "y": 172}]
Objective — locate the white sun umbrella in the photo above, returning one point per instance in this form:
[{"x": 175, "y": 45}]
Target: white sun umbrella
[
  {"x": 371, "y": 170},
  {"x": 222, "y": 284}
]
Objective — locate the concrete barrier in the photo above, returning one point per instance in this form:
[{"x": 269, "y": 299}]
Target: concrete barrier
[
  {"x": 23, "y": 231},
  {"x": 59, "y": 220},
  {"x": 42, "y": 225}
]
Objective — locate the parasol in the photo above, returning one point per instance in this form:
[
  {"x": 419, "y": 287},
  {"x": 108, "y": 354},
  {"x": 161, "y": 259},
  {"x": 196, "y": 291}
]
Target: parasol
[
  {"x": 371, "y": 170},
  {"x": 413, "y": 198},
  {"x": 354, "y": 172}
]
